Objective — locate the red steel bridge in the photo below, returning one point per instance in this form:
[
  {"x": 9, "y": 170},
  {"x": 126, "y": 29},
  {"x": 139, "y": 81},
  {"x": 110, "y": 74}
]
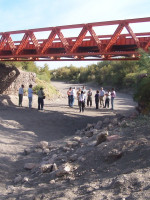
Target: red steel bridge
[{"x": 86, "y": 45}]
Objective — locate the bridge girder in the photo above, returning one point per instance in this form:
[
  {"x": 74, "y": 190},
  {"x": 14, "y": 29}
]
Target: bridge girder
[{"x": 57, "y": 47}]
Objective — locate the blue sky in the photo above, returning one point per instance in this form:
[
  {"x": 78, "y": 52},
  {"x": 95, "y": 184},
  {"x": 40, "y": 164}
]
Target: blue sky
[{"x": 28, "y": 14}]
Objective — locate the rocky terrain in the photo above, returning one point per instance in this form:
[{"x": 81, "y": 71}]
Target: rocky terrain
[{"x": 91, "y": 156}]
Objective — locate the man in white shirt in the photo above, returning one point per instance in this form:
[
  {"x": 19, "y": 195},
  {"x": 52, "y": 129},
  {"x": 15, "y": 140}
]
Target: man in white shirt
[
  {"x": 20, "y": 93},
  {"x": 84, "y": 92},
  {"x": 30, "y": 94},
  {"x": 81, "y": 101},
  {"x": 101, "y": 96}
]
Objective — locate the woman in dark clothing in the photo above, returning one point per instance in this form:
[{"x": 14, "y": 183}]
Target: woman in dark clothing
[{"x": 97, "y": 99}]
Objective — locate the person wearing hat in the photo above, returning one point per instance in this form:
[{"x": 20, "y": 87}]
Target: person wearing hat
[{"x": 41, "y": 97}]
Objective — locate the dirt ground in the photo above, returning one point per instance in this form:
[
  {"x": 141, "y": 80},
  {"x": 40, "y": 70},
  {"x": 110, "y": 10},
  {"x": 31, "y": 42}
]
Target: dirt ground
[{"x": 21, "y": 127}]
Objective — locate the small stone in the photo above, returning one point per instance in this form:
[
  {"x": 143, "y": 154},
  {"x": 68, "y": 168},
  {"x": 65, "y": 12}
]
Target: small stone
[
  {"x": 18, "y": 179},
  {"x": 55, "y": 168},
  {"x": 46, "y": 150},
  {"x": 113, "y": 137},
  {"x": 29, "y": 166},
  {"x": 113, "y": 155},
  {"x": 98, "y": 125},
  {"x": 73, "y": 157},
  {"x": 27, "y": 152},
  {"x": 114, "y": 121},
  {"x": 95, "y": 131},
  {"x": 124, "y": 123},
  {"x": 89, "y": 126},
  {"x": 52, "y": 181},
  {"x": 64, "y": 169},
  {"x": 43, "y": 144},
  {"x": 88, "y": 133},
  {"x": 54, "y": 156},
  {"x": 110, "y": 127},
  {"x": 65, "y": 149},
  {"x": 77, "y": 138},
  {"x": 72, "y": 144},
  {"x": 46, "y": 168},
  {"x": 26, "y": 179},
  {"x": 81, "y": 158}
]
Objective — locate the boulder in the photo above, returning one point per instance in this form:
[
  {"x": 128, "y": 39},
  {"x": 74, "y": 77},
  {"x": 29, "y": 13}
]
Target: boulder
[
  {"x": 30, "y": 166},
  {"x": 102, "y": 137}
]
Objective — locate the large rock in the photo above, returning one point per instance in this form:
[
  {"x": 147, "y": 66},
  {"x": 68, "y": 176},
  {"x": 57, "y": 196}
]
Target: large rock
[
  {"x": 8, "y": 75},
  {"x": 102, "y": 137},
  {"x": 12, "y": 78}
]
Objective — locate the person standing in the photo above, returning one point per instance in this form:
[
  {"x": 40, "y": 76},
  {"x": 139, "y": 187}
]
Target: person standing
[
  {"x": 108, "y": 97},
  {"x": 113, "y": 95},
  {"x": 21, "y": 91},
  {"x": 69, "y": 96},
  {"x": 89, "y": 97},
  {"x": 73, "y": 96},
  {"x": 78, "y": 94},
  {"x": 30, "y": 94},
  {"x": 84, "y": 92},
  {"x": 41, "y": 97},
  {"x": 82, "y": 101},
  {"x": 102, "y": 94},
  {"x": 97, "y": 99}
]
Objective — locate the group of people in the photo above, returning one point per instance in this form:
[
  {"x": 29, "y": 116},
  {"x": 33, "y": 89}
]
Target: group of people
[
  {"x": 41, "y": 96},
  {"x": 102, "y": 98}
]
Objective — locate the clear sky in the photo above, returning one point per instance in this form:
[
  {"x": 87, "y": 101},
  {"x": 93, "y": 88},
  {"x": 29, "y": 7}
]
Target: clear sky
[{"x": 28, "y": 14}]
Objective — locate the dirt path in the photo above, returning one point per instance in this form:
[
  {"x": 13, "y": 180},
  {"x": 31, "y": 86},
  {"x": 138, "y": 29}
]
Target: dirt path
[{"x": 21, "y": 127}]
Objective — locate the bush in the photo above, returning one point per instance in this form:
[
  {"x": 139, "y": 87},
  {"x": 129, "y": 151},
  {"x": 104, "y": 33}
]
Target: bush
[
  {"x": 49, "y": 90},
  {"x": 36, "y": 88},
  {"x": 142, "y": 95}
]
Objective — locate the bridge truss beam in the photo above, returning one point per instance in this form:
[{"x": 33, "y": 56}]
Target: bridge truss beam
[{"x": 57, "y": 47}]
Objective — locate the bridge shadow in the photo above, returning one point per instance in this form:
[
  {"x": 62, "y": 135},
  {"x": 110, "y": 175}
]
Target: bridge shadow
[
  {"x": 25, "y": 127},
  {"x": 48, "y": 121}
]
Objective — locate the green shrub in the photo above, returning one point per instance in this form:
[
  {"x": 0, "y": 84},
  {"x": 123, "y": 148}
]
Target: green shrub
[
  {"x": 43, "y": 77},
  {"x": 142, "y": 95},
  {"x": 36, "y": 88}
]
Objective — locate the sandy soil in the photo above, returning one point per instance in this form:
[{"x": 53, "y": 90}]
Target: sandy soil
[{"x": 21, "y": 127}]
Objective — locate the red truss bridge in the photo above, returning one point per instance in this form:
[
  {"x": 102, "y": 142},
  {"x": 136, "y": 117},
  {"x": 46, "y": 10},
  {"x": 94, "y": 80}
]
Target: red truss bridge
[{"x": 86, "y": 45}]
